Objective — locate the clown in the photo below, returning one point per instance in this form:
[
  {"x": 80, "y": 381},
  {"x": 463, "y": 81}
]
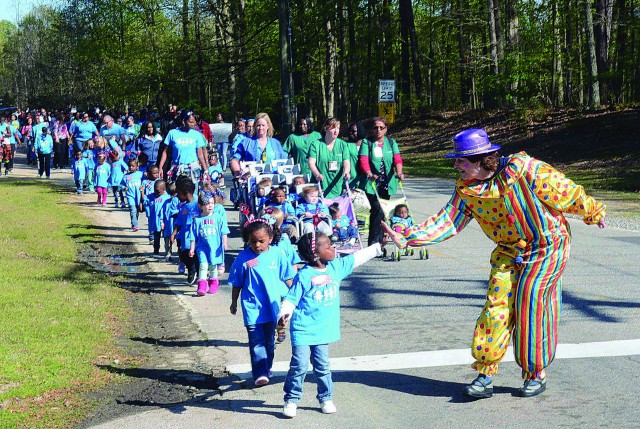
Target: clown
[{"x": 519, "y": 203}]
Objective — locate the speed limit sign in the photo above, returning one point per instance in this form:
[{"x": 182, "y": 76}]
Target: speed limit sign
[{"x": 386, "y": 91}]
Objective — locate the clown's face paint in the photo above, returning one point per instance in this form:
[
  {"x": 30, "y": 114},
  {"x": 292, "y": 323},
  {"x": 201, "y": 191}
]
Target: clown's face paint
[{"x": 468, "y": 170}]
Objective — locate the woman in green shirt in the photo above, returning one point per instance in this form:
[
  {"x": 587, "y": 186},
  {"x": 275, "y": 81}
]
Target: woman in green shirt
[
  {"x": 297, "y": 144},
  {"x": 329, "y": 160},
  {"x": 380, "y": 160}
]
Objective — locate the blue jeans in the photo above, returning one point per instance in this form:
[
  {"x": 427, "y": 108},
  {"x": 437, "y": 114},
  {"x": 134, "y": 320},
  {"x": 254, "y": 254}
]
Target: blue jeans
[
  {"x": 222, "y": 153},
  {"x": 261, "y": 347},
  {"x": 118, "y": 191},
  {"x": 133, "y": 211},
  {"x": 294, "y": 382}
]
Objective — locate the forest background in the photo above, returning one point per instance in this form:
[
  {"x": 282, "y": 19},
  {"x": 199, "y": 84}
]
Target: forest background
[{"x": 225, "y": 55}]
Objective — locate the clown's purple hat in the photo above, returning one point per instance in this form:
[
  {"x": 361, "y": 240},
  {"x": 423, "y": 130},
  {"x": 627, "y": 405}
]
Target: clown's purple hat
[{"x": 473, "y": 141}]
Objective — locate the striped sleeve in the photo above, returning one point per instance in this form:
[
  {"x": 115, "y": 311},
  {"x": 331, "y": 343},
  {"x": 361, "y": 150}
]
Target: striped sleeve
[{"x": 445, "y": 224}]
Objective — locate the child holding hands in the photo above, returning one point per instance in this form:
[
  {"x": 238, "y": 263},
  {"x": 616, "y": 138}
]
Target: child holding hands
[
  {"x": 313, "y": 306},
  {"x": 260, "y": 288}
]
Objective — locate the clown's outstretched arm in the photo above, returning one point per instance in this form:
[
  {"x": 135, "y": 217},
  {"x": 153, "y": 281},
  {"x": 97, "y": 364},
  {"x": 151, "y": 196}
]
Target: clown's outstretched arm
[{"x": 447, "y": 223}]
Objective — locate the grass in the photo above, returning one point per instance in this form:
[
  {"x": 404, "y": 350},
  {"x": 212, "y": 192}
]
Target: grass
[{"x": 58, "y": 316}]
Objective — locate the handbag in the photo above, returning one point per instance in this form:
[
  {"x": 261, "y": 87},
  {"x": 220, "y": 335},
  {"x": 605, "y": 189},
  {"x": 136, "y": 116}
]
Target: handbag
[{"x": 360, "y": 201}]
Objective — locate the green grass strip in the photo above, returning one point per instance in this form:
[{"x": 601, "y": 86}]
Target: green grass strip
[{"x": 57, "y": 316}]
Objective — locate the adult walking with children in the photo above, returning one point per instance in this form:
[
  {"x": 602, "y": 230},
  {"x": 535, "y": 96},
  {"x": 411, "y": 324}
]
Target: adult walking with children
[{"x": 519, "y": 203}]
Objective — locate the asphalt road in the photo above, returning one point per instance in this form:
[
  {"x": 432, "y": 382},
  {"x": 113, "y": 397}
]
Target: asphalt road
[{"x": 406, "y": 330}]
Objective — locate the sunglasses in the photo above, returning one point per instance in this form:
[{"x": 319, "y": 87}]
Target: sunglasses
[{"x": 379, "y": 128}]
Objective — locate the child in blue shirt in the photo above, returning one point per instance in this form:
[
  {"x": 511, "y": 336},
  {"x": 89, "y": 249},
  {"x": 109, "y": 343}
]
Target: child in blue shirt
[
  {"x": 215, "y": 170},
  {"x": 293, "y": 197},
  {"x": 221, "y": 213},
  {"x": 169, "y": 217},
  {"x": 313, "y": 308},
  {"x": 311, "y": 207},
  {"x": 43, "y": 146},
  {"x": 118, "y": 169},
  {"x": 156, "y": 203},
  {"x": 188, "y": 211},
  {"x": 343, "y": 230},
  {"x": 147, "y": 187},
  {"x": 207, "y": 243},
  {"x": 131, "y": 183},
  {"x": 401, "y": 219},
  {"x": 90, "y": 156},
  {"x": 259, "y": 276},
  {"x": 291, "y": 253},
  {"x": 101, "y": 181},
  {"x": 278, "y": 199},
  {"x": 79, "y": 168}
]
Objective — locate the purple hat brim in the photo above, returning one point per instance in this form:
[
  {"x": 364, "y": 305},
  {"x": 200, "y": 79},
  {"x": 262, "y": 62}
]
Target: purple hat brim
[{"x": 492, "y": 148}]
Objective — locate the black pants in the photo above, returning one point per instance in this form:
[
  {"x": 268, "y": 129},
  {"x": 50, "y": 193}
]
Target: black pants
[
  {"x": 190, "y": 263},
  {"x": 157, "y": 237},
  {"x": 44, "y": 164},
  {"x": 60, "y": 154},
  {"x": 376, "y": 216}
]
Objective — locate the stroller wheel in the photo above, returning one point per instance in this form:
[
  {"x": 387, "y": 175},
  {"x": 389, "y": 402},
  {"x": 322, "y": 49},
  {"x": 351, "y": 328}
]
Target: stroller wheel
[
  {"x": 384, "y": 252},
  {"x": 410, "y": 252},
  {"x": 396, "y": 255},
  {"x": 426, "y": 254},
  {"x": 421, "y": 253}
]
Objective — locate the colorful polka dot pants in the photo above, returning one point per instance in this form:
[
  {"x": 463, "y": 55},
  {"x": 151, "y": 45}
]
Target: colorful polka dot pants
[{"x": 524, "y": 300}]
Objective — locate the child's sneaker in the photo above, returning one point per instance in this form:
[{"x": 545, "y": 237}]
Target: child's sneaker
[
  {"x": 181, "y": 268},
  {"x": 213, "y": 285},
  {"x": 263, "y": 380},
  {"x": 328, "y": 407},
  {"x": 290, "y": 409}
]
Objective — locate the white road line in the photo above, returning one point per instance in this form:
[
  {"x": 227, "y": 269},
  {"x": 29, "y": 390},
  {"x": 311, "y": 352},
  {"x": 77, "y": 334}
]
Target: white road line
[{"x": 448, "y": 357}]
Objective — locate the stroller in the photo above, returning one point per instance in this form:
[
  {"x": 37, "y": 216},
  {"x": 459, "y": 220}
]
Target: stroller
[
  {"x": 346, "y": 208},
  {"x": 388, "y": 207}
]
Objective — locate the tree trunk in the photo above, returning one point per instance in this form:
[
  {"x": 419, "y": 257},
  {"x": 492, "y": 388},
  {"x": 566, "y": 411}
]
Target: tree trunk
[
  {"x": 387, "y": 40},
  {"x": 331, "y": 49},
  {"x": 353, "y": 75},
  {"x": 513, "y": 46},
  {"x": 285, "y": 72},
  {"x": 199, "y": 56},
  {"x": 592, "y": 62},
  {"x": 557, "y": 92},
  {"x": 405, "y": 72},
  {"x": 185, "y": 50},
  {"x": 464, "y": 54},
  {"x": 602, "y": 33},
  {"x": 496, "y": 50}
]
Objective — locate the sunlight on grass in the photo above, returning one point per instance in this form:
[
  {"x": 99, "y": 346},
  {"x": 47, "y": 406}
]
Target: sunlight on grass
[{"x": 57, "y": 315}]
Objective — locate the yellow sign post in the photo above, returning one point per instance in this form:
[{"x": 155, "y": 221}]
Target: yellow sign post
[{"x": 387, "y": 111}]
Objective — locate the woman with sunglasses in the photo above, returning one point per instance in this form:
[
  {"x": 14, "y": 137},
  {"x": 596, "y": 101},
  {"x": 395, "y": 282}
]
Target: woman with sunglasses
[
  {"x": 380, "y": 160},
  {"x": 261, "y": 147}
]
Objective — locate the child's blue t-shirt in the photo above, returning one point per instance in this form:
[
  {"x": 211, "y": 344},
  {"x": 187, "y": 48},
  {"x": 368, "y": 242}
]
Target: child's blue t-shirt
[
  {"x": 292, "y": 254},
  {"x": 316, "y": 295},
  {"x": 343, "y": 221},
  {"x": 207, "y": 232},
  {"x": 287, "y": 208},
  {"x": 79, "y": 168},
  {"x": 118, "y": 169},
  {"x": 132, "y": 182},
  {"x": 156, "y": 205},
  {"x": 406, "y": 222},
  {"x": 147, "y": 186},
  {"x": 215, "y": 169},
  {"x": 170, "y": 214},
  {"x": 186, "y": 214},
  {"x": 304, "y": 207},
  {"x": 103, "y": 171},
  {"x": 90, "y": 158},
  {"x": 261, "y": 278}
]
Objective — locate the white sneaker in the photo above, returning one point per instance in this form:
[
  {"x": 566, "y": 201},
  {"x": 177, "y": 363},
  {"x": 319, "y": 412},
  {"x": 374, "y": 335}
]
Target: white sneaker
[
  {"x": 263, "y": 380},
  {"x": 290, "y": 409},
  {"x": 328, "y": 407}
]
